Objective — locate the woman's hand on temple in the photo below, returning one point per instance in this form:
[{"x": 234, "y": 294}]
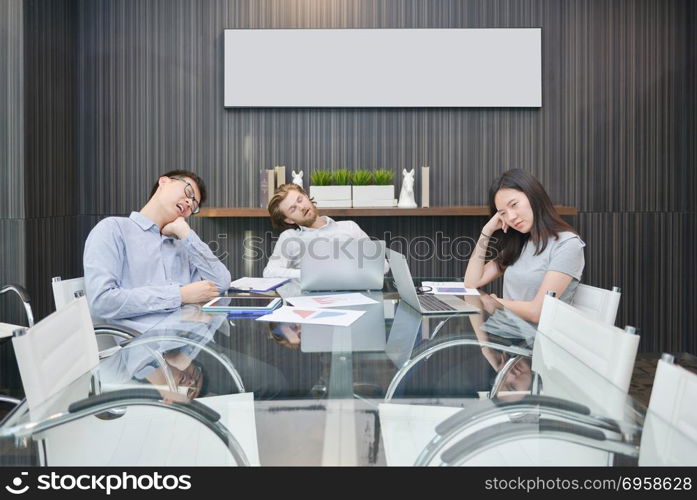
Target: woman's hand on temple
[{"x": 494, "y": 224}]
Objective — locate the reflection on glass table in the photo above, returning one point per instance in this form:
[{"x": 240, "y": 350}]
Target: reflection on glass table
[
  {"x": 373, "y": 393},
  {"x": 135, "y": 407},
  {"x": 582, "y": 369}
]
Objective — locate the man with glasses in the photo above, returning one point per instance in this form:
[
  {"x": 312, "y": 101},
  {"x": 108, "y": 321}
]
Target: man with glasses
[{"x": 152, "y": 261}]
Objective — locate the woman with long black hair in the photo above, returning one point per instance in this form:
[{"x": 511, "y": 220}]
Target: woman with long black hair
[{"x": 534, "y": 249}]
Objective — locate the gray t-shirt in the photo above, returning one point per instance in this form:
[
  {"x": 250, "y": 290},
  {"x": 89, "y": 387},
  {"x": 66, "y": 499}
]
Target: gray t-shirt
[{"x": 523, "y": 279}]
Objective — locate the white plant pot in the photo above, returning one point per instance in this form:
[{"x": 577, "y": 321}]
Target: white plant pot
[
  {"x": 327, "y": 193},
  {"x": 381, "y": 196},
  {"x": 333, "y": 203},
  {"x": 374, "y": 203},
  {"x": 331, "y": 196}
]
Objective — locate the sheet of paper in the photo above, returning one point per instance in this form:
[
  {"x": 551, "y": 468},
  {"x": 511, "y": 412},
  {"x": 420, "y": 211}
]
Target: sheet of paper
[
  {"x": 261, "y": 284},
  {"x": 312, "y": 316},
  {"x": 449, "y": 288},
  {"x": 333, "y": 300}
]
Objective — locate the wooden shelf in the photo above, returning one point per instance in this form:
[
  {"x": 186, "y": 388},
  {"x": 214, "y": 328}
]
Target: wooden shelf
[{"x": 470, "y": 210}]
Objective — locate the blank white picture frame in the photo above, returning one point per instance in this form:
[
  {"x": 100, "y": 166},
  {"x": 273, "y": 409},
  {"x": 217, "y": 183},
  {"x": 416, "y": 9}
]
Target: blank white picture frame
[{"x": 492, "y": 67}]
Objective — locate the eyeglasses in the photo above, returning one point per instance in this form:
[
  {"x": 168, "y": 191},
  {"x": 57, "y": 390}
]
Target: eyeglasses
[{"x": 190, "y": 193}]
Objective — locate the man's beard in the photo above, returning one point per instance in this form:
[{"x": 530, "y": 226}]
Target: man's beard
[{"x": 310, "y": 218}]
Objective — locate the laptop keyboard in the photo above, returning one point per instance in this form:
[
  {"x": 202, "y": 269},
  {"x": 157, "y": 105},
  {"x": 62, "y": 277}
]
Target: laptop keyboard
[{"x": 431, "y": 303}]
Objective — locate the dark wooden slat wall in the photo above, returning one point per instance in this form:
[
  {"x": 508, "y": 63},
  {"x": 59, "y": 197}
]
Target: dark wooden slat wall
[
  {"x": 38, "y": 205},
  {"x": 50, "y": 160},
  {"x": 11, "y": 110},
  {"x": 12, "y": 206},
  {"x": 12, "y": 210},
  {"x": 614, "y": 136},
  {"x": 50, "y": 89}
]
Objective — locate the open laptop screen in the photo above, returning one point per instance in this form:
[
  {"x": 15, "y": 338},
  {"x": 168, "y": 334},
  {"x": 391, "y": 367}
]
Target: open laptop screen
[{"x": 340, "y": 264}]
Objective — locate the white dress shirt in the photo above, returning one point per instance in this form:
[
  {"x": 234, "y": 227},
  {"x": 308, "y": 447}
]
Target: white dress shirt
[{"x": 285, "y": 260}]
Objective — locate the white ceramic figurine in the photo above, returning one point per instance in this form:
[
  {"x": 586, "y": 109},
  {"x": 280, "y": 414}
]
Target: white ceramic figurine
[
  {"x": 298, "y": 178},
  {"x": 406, "y": 196}
]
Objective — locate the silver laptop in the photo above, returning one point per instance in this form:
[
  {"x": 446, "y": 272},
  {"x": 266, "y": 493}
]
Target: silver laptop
[
  {"x": 339, "y": 264},
  {"x": 426, "y": 304}
]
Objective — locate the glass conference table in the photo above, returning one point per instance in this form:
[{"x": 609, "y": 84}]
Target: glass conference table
[{"x": 394, "y": 388}]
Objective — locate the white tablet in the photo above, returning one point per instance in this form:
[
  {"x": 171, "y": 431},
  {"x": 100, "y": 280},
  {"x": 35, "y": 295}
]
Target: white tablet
[{"x": 225, "y": 304}]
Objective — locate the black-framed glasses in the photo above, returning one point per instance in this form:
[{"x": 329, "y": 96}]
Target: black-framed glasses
[
  {"x": 420, "y": 290},
  {"x": 191, "y": 194}
]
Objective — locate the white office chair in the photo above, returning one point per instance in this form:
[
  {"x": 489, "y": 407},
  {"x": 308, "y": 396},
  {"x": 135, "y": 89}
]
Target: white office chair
[
  {"x": 609, "y": 351},
  {"x": 111, "y": 337},
  {"x": 56, "y": 356},
  {"x": 108, "y": 336},
  {"x": 669, "y": 437},
  {"x": 598, "y": 303},
  {"x": 55, "y": 352},
  {"x": 65, "y": 291},
  {"x": 585, "y": 367}
]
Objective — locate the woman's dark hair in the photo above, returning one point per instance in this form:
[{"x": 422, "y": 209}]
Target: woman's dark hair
[
  {"x": 547, "y": 222},
  {"x": 183, "y": 173}
]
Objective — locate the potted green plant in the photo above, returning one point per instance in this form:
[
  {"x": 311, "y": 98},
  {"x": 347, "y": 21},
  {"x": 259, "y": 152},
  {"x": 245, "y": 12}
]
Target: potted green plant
[
  {"x": 373, "y": 189},
  {"x": 331, "y": 189}
]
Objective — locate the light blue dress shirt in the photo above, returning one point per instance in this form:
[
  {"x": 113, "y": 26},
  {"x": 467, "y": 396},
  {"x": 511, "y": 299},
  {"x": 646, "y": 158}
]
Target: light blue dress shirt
[{"x": 132, "y": 270}]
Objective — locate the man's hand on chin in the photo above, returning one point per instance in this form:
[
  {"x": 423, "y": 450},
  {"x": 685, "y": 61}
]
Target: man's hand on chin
[{"x": 178, "y": 228}]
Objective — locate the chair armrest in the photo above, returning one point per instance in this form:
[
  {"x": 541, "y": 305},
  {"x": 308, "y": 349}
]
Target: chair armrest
[
  {"x": 24, "y": 297},
  {"x": 535, "y": 407},
  {"x": 18, "y": 289},
  {"x": 221, "y": 358},
  {"x": 140, "y": 397},
  {"x": 506, "y": 432},
  {"x": 10, "y": 400},
  {"x": 447, "y": 344},
  {"x": 468, "y": 414},
  {"x": 138, "y": 393},
  {"x": 498, "y": 344},
  {"x": 118, "y": 330}
]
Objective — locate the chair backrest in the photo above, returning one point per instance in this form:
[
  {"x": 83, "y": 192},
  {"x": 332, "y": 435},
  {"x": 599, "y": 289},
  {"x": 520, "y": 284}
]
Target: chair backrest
[
  {"x": 56, "y": 351},
  {"x": 65, "y": 291},
  {"x": 598, "y": 303},
  {"x": 582, "y": 359},
  {"x": 670, "y": 428}
]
